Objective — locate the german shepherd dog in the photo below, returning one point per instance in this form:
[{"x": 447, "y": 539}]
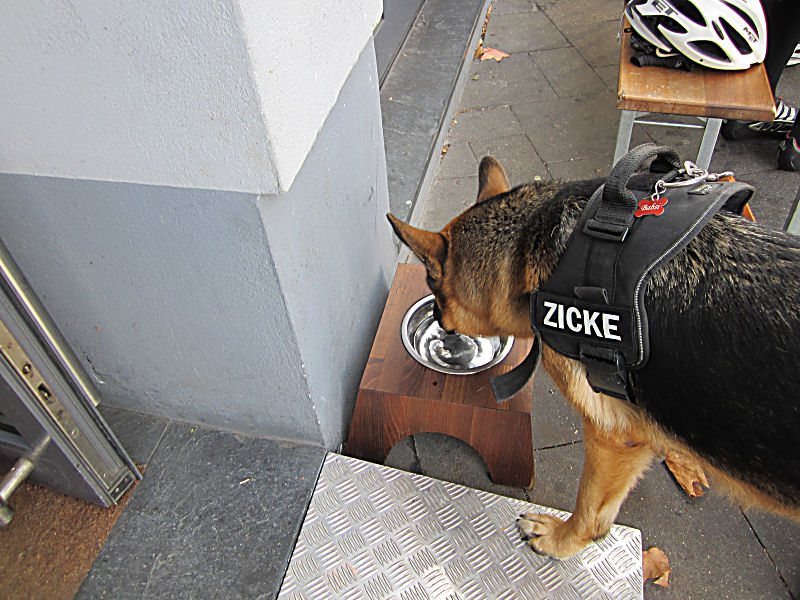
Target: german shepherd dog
[{"x": 722, "y": 387}]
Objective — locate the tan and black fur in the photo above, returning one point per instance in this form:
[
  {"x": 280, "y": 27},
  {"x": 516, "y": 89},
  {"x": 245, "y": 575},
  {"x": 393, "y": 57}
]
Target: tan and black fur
[{"x": 722, "y": 386}]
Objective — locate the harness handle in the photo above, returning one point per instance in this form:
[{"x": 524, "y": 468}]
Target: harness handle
[
  {"x": 614, "y": 215},
  {"x": 616, "y": 191}
]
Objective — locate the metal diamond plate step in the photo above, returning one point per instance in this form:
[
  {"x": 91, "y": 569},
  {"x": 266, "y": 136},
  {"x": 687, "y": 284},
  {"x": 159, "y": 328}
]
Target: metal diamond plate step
[{"x": 375, "y": 533}]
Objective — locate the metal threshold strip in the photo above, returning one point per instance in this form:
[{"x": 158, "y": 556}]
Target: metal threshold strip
[{"x": 374, "y": 533}]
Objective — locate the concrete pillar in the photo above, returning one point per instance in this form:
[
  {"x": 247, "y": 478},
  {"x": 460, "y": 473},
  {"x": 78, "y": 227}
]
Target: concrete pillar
[{"x": 196, "y": 192}]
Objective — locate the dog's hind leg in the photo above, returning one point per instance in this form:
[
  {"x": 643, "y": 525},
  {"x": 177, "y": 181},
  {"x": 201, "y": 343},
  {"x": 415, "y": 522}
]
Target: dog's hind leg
[
  {"x": 613, "y": 463},
  {"x": 687, "y": 472}
]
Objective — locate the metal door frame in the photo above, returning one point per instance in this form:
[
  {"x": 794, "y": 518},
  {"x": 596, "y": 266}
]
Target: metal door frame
[{"x": 50, "y": 423}]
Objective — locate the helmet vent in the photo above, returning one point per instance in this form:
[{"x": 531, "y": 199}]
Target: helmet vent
[
  {"x": 740, "y": 43},
  {"x": 742, "y": 14},
  {"x": 709, "y": 49},
  {"x": 691, "y": 11},
  {"x": 672, "y": 25}
]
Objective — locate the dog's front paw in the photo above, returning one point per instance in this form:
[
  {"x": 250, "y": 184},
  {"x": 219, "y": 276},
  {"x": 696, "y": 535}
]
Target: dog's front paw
[{"x": 549, "y": 535}]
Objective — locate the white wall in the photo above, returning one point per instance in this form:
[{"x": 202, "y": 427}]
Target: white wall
[
  {"x": 218, "y": 94},
  {"x": 302, "y": 52}
]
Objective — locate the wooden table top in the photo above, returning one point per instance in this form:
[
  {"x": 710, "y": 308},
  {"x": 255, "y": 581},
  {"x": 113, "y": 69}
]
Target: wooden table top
[{"x": 705, "y": 92}]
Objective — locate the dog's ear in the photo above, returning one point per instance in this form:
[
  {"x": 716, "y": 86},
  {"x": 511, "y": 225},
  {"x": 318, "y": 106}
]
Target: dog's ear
[
  {"x": 429, "y": 246},
  {"x": 492, "y": 179}
]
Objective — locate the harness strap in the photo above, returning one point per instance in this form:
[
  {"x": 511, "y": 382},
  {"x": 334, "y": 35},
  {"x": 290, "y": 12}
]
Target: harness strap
[
  {"x": 591, "y": 308},
  {"x": 612, "y": 223},
  {"x": 508, "y": 384}
]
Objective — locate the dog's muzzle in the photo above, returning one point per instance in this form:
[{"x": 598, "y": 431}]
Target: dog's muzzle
[{"x": 437, "y": 314}]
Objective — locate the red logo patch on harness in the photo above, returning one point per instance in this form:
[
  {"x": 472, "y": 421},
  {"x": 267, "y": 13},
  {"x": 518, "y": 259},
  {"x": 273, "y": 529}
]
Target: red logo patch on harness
[{"x": 651, "y": 206}]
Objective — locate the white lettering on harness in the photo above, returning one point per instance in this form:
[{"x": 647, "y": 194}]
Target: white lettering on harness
[{"x": 582, "y": 321}]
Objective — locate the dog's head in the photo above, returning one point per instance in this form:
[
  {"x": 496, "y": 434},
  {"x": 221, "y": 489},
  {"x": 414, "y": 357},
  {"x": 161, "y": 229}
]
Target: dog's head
[{"x": 473, "y": 264}]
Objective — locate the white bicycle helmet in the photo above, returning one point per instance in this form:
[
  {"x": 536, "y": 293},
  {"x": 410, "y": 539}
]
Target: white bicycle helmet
[{"x": 720, "y": 34}]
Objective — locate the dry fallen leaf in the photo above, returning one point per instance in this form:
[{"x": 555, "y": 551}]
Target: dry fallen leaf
[
  {"x": 479, "y": 49},
  {"x": 655, "y": 566},
  {"x": 687, "y": 472},
  {"x": 494, "y": 53}
]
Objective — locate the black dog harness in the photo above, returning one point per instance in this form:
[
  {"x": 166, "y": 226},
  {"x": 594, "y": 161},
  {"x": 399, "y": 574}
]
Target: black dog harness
[{"x": 592, "y": 306}]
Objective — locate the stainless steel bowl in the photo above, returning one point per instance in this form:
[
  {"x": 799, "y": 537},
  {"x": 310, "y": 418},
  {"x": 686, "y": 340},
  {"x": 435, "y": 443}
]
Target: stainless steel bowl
[{"x": 457, "y": 354}]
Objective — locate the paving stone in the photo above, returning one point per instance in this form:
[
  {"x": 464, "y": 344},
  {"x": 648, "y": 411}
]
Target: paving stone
[
  {"x": 408, "y": 132},
  {"x": 485, "y": 123},
  {"x": 557, "y": 474},
  {"x": 596, "y": 42},
  {"x": 568, "y": 73},
  {"x": 609, "y": 74},
  {"x": 216, "y": 516},
  {"x": 685, "y": 141},
  {"x": 507, "y": 7},
  {"x": 458, "y": 161},
  {"x": 423, "y": 78},
  {"x": 415, "y": 119},
  {"x": 451, "y": 197},
  {"x": 711, "y": 548},
  {"x": 775, "y": 194},
  {"x": 555, "y": 421},
  {"x": 522, "y": 32},
  {"x": 789, "y": 86},
  {"x": 403, "y": 456},
  {"x": 568, "y": 15},
  {"x": 743, "y": 157},
  {"x": 431, "y": 56},
  {"x": 513, "y": 80},
  {"x": 781, "y": 539},
  {"x": 572, "y": 128},
  {"x": 593, "y": 166},
  {"x": 516, "y": 154},
  {"x": 581, "y": 168}
]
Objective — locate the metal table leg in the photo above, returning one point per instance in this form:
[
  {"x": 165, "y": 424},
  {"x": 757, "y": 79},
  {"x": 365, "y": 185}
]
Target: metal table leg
[
  {"x": 792, "y": 224},
  {"x": 708, "y": 143},
  {"x": 626, "y": 118}
]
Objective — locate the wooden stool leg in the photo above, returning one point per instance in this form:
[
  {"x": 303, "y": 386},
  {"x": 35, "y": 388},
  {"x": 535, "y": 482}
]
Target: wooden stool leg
[
  {"x": 367, "y": 439},
  {"x": 506, "y": 444},
  {"x": 709, "y": 142},
  {"x": 626, "y": 118}
]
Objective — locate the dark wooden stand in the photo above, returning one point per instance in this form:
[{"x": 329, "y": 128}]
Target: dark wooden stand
[{"x": 399, "y": 397}]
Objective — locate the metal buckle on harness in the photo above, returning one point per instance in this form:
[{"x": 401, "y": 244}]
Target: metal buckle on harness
[
  {"x": 606, "y": 371},
  {"x": 693, "y": 174},
  {"x": 617, "y": 231},
  {"x": 603, "y": 230}
]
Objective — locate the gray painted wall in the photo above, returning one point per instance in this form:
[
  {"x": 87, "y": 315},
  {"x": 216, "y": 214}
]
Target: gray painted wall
[
  {"x": 332, "y": 248},
  {"x": 221, "y": 307}
]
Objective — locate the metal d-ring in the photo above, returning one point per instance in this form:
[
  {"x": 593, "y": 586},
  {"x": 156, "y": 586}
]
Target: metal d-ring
[{"x": 695, "y": 174}]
